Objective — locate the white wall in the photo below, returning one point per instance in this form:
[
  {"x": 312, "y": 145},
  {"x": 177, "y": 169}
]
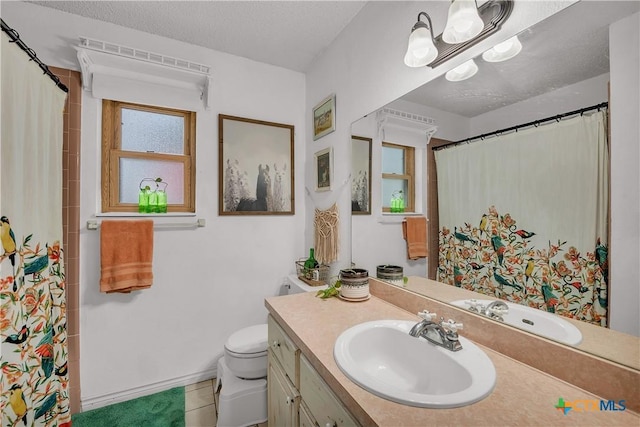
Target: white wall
[
  {"x": 208, "y": 282},
  {"x": 624, "y": 296}
]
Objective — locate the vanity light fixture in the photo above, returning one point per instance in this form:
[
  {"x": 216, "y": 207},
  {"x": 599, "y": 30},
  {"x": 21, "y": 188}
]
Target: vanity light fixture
[
  {"x": 463, "y": 22},
  {"x": 462, "y": 72},
  {"x": 421, "y": 49},
  {"x": 425, "y": 49}
]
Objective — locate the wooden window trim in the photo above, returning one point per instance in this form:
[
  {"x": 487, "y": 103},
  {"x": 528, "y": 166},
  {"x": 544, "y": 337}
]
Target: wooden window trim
[
  {"x": 112, "y": 153},
  {"x": 409, "y": 175}
]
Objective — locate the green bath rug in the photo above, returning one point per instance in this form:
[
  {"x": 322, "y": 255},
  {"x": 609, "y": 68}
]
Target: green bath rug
[{"x": 164, "y": 409}]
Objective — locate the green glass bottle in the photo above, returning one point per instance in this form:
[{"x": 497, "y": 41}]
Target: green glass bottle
[
  {"x": 310, "y": 266},
  {"x": 162, "y": 201},
  {"x": 153, "y": 202},
  {"x": 143, "y": 201}
]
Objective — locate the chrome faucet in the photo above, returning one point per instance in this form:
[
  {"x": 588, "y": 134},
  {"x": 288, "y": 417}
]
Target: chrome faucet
[
  {"x": 442, "y": 333},
  {"x": 494, "y": 310}
]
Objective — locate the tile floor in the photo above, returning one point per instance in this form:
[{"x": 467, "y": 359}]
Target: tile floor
[{"x": 201, "y": 405}]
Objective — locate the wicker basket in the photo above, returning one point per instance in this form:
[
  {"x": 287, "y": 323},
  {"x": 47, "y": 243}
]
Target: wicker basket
[{"x": 313, "y": 277}]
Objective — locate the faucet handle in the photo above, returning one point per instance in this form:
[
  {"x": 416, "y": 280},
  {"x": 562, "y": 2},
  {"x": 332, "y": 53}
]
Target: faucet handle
[
  {"x": 498, "y": 311},
  {"x": 426, "y": 315},
  {"x": 451, "y": 325},
  {"x": 474, "y": 305}
]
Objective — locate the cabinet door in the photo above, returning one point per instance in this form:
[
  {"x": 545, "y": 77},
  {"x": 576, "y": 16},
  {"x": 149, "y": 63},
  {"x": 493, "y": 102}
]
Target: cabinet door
[
  {"x": 284, "y": 350},
  {"x": 283, "y": 398},
  {"x": 325, "y": 408},
  {"x": 306, "y": 419}
]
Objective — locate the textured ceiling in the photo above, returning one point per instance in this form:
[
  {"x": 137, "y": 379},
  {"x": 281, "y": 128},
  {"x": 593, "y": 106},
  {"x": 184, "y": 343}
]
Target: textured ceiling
[{"x": 289, "y": 34}]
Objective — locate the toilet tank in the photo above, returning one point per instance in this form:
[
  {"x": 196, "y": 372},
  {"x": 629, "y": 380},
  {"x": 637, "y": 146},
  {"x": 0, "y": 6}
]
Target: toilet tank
[{"x": 293, "y": 285}]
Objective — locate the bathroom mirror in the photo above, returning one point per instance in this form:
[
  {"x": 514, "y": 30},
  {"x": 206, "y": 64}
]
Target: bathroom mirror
[{"x": 552, "y": 52}]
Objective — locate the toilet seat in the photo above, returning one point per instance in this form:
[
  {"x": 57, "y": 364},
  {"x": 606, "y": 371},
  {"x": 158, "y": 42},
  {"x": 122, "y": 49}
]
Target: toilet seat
[
  {"x": 245, "y": 352},
  {"x": 250, "y": 340}
]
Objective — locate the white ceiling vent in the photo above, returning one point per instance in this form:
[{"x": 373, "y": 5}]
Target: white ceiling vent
[
  {"x": 143, "y": 55},
  {"x": 390, "y": 117},
  {"x": 107, "y": 66}
]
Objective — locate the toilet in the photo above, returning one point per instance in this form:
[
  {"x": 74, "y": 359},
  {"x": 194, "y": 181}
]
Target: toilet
[
  {"x": 245, "y": 352},
  {"x": 242, "y": 373}
]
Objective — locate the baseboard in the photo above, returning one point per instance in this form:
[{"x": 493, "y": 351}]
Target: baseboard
[{"x": 124, "y": 395}]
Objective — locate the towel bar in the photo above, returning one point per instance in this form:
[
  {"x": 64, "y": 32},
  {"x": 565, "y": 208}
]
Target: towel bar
[{"x": 92, "y": 224}]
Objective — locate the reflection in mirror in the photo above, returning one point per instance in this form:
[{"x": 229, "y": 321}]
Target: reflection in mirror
[
  {"x": 547, "y": 78},
  {"x": 360, "y": 175},
  {"x": 606, "y": 343}
]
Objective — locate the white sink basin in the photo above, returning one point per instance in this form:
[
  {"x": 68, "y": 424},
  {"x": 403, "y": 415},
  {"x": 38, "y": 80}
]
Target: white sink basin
[
  {"x": 382, "y": 358},
  {"x": 536, "y": 321}
]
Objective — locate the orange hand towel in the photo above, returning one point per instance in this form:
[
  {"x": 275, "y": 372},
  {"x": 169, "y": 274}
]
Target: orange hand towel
[
  {"x": 414, "y": 231},
  {"x": 126, "y": 254}
]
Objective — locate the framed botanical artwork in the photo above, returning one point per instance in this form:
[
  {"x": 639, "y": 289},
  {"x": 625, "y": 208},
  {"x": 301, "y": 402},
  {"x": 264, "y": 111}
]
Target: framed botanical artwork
[
  {"x": 324, "y": 117},
  {"x": 324, "y": 168},
  {"x": 360, "y": 175},
  {"x": 255, "y": 167}
]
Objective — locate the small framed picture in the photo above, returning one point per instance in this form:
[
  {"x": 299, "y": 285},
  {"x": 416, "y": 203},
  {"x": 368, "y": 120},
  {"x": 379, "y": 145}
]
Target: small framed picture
[
  {"x": 324, "y": 168},
  {"x": 324, "y": 117},
  {"x": 360, "y": 175},
  {"x": 255, "y": 167}
]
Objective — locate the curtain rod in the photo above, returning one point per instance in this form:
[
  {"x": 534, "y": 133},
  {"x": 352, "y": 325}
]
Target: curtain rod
[
  {"x": 15, "y": 38},
  {"x": 535, "y": 123}
]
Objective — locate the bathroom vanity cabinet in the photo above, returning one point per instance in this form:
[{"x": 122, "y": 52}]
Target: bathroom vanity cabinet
[
  {"x": 297, "y": 395},
  {"x": 307, "y": 388}
]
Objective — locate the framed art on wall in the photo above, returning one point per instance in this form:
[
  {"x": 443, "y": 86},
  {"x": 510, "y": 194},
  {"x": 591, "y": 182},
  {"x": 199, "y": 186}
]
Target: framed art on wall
[
  {"x": 360, "y": 175},
  {"x": 255, "y": 167},
  {"x": 324, "y": 117},
  {"x": 324, "y": 168}
]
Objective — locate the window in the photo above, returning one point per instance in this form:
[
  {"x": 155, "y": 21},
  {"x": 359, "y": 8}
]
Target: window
[
  {"x": 140, "y": 141},
  {"x": 398, "y": 167}
]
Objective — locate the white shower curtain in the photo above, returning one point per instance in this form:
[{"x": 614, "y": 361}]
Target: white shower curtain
[
  {"x": 34, "y": 389},
  {"x": 524, "y": 216}
]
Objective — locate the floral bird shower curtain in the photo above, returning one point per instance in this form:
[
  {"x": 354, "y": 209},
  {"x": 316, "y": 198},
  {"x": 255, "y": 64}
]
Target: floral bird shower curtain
[
  {"x": 523, "y": 217},
  {"x": 33, "y": 349}
]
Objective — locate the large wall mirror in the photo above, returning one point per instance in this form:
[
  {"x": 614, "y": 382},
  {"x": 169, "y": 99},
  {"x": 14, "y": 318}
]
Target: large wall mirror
[{"x": 563, "y": 66}]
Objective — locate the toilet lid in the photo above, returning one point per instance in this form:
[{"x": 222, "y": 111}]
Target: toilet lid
[{"x": 252, "y": 339}]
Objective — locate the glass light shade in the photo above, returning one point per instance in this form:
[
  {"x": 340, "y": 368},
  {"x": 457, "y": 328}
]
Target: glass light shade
[
  {"x": 503, "y": 51},
  {"x": 463, "y": 22},
  {"x": 421, "y": 50},
  {"x": 462, "y": 72}
]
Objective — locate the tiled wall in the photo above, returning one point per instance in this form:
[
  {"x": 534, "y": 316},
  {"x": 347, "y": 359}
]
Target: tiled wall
[{"x": 71, "y": 223}]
